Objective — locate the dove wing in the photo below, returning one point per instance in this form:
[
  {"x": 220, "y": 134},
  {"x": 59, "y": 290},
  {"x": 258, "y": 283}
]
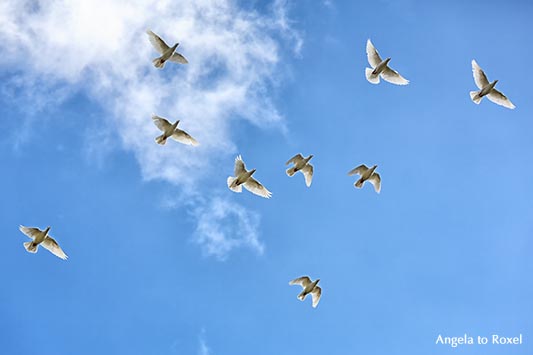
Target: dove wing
[
  {"x": 184, "y": 137},
  {"x": 393, "y": 77},
  {"x": 161, "y": 123},
  {"x": 500, "y": 99},
  {"x": 316, "y": 293},
  {"x": 178, "y": 58},
  {"x": 239, "y": 166},
  {"x": 30, "y": 232},
  {"x": 479, "y": 75},
  {"x": 308, "y": 174},
  {"x": 256, "y": 188},
  {"x": 157, "y": 42},
  {"x": 295, "y": 159},
  {"x": 51, "y": 245},
  {"x": 375, "y": 180},
  {"x": 302, "y": 281},
  {"x": 361, "y": 169},
  {"x": 372, "y": 54}
]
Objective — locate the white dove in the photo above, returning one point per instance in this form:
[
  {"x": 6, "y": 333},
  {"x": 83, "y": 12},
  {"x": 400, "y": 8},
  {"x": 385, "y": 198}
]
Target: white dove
[
  {"x": 367, "y": 174},
  {"x": 381, "y": 68},
  {"x": 309, "y": 287},
  {"x": 167, "y": 53},
  {"x": 42, "y": 238},
  {"x": 244, "y": 177},
  {"x": 487, "y": 89},
  {"x": 171, "y": 131},
  {"x": 301, "y": 164}
]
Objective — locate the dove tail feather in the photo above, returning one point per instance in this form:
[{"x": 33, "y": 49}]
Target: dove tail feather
[
  {"x": 373, "y": 78},
  {"x": 161, "y": 139},
  {"x": 30, "y": 247},
  {"x": 474, "y": 95},
  {"x": 359, "y": 183},
  {"x": 291, "y": 171},
  {"x": 158, "y": 63},
  {"x": 234, "y": 188}
]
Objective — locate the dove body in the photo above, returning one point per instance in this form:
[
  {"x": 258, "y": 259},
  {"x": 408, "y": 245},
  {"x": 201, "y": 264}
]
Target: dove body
[
  {"x": 367, "y": 174},
  {"x": 486, "y": 89},
  {"x": 167, "y": 53},
  {"x": 381, "y": 67},
  {"x": 309, "y": 288},
  {"x": 172, "y": 131},
  {"x": 160, "y": 61},
  {"x": 301, "y": 164},
  {"x": 244, "y": 178},
  {"x": 162, "y": 139},
  {"x": 38, "y": 239},
  {"x": 41, "y": 237}
]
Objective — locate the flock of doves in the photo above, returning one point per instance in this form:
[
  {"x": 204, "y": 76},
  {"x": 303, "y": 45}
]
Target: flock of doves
[{"x": 243, "y": 177}]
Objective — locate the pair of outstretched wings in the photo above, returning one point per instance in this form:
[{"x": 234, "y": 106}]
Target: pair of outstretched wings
[
  {"x": 387, "y": 74},
  {"x": 494, "y": 95},
  {"x": 307, "y": 170},
  {"x": 305, "y": 281},
  {"x": 374, "y": 179},
  {"x": 48, "y": 243},
  {"x": 251, "y": 184},
  {"x": 162, "y": 47},
  {"x": 179, "y": 135}
]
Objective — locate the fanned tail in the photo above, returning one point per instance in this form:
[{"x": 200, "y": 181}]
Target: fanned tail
[
  {"x": 373, "y": 78},
  {"x": 30, "y": 247},
  {"x": 158, "y": 63},
  {"x": 161, "y": 139},
  {"x": 291, "y": 171},
  {"x": 474, "y": 95},
  {"x": 234, "y": 188}
]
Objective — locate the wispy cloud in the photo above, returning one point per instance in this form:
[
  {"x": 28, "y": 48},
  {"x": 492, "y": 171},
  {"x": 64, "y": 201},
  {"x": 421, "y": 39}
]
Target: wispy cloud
[
  {"x": 100, "y": 49},
  {"x": 202, "y": 348},
  {"x": 224, "y": 226}
]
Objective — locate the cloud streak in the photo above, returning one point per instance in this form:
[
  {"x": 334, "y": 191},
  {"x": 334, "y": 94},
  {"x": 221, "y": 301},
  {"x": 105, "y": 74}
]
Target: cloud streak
[
  {"x": 101, "y": 49},
  {"x": 224, "y": 226}
]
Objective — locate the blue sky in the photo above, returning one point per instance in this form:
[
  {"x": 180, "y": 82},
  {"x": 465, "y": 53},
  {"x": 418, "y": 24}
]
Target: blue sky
[{"x": 164, "y": 259}]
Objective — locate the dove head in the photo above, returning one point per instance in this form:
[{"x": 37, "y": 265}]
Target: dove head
[
  {"x": 252, "y": 171},
  {"x": 176, "y": 123},
  {"x": 46, "y": 230},
  {"x": 387, "y": 60},
  {"x": 310, "y": 157},
  {"x": 494, "y": 83}
]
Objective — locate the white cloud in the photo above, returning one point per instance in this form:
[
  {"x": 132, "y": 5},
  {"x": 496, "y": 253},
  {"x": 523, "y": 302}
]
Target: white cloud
[
  {"x": 203, "y": 349},
  {"x": 100, "y": 48},
  {"x": 224, "y": 226}
]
